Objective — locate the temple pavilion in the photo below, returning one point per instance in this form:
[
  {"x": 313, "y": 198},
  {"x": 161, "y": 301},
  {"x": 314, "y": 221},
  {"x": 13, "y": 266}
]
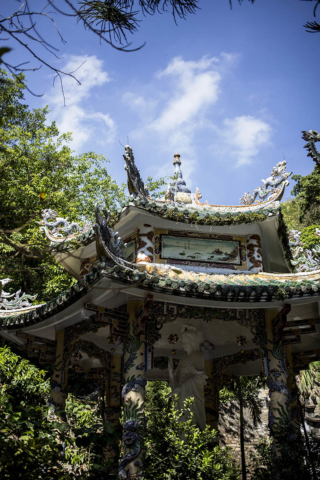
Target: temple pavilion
[{"x": 247, "y": 289}]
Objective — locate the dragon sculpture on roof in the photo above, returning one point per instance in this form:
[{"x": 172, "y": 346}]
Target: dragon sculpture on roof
[
  {"x": 136, "y": 185},
  {"x": 59, "y": 230},
  {"x": 277, "y": 179},
  {"x": 17, "y": 301}
]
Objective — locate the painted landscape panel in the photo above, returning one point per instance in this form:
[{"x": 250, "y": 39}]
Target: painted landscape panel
[{"x": 200, "y": 249}]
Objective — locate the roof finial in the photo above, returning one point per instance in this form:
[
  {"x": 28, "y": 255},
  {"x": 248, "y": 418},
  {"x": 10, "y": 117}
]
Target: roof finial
[
  {"x": 179, "y": 192},
  {"x": 177, "y": 159}
]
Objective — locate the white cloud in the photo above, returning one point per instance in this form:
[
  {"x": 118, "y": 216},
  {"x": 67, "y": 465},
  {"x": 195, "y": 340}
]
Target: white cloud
[
  {"x": 181, "y": 105},
  {"x": 77, "y": 116},
  {"x": 176, "y": 104},
  {"x": 196, "y": 86},
  {"x": 243, "y": 137}
]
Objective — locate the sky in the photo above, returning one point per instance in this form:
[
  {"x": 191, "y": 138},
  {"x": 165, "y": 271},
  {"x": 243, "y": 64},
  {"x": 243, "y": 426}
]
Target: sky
[{"x": 229, "y": 90}]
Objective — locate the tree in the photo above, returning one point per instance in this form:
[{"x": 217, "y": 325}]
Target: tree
[
  {"x": 34, "y": 440},
  {"x": 178, "y": 450},
  {"x": 39, "y": 171},
  {"x": 307, "y": 194},
  {"x": 244, "y": 390}
]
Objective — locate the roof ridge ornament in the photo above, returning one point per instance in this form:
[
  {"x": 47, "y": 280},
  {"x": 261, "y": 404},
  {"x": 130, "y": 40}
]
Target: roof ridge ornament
[
  {"x": 60, "y": 230},
  {"x": 304, "y": 259},
  {"x": 136, "y": 185},
  {"x": 178, "y": 190},
  {"x": 17, "y": 302},
  {"x": 277, "y": 180},
  {"x": 109, "y": 244}
]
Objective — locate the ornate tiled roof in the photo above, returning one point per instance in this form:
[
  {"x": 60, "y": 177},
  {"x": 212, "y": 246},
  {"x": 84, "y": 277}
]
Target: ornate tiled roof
[
  {"x": 261, "y": 287},
  {"x": 179, "y": 204}
]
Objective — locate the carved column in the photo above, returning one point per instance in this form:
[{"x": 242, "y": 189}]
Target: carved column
[
  {"x": 145, "y": 248},
  {"x": 133, "y": 395},
  {"x": 276, "y": 370},
  {"x": 58, "y": 377},
  {"x": 211, "y": 395}
]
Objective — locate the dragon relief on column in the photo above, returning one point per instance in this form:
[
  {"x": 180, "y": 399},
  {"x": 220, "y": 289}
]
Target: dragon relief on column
[
  {"x": 136, "y": 185},
  {"x": 311, "y": 138},
  {"x": 271, "y": 186},
  {"x": 133, "y": 426}
]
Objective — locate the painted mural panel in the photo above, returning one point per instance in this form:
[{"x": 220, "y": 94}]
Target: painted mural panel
[{"x": 200, "y": 249}]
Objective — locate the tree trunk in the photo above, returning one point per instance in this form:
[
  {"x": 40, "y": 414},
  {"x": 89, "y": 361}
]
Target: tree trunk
[{"x": 243, "y": 458}]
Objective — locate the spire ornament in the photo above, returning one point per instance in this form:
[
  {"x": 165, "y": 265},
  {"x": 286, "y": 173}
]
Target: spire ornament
[{"x": 178, "y": 190}]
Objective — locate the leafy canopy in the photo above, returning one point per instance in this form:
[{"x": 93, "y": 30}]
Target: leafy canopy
[{"x": 38, "y": 170}]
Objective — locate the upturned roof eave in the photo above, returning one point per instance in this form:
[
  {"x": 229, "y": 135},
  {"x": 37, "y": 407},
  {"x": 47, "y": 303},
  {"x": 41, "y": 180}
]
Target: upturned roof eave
[{"x": 261, "y": 290}]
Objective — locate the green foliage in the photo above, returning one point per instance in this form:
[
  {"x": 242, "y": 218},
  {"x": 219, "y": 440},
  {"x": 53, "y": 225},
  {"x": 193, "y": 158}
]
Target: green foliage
[
  {"x": 307, "y": 193},
  {"x": 284, "y": 456},
  {"x": 246, "y": 390},
  {"x": 21, "y": 380},
  {"x": 34, "y": 440},
  {"x": 178, "y": 450},
  {"x": 86, "y": 440},
  {"x": 226, "y": 395},
  {"x": 155, "y": 185},
  {"x": 308, "y": 236},
  {"x": 39, "y": 171},
  {"x": 308, "y": 378},
  {"x": 291, "y": 213}
]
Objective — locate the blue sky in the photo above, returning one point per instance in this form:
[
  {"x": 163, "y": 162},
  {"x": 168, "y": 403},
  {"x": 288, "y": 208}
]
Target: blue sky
[{"x": 230, "y": 90}]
